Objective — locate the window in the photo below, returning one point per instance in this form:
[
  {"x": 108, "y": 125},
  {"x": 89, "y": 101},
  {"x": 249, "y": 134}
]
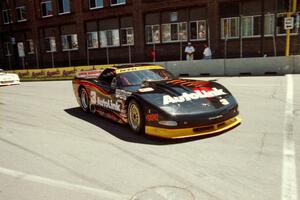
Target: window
[
  {"x": 69, "y": 42},
  {"x": 269, "y": 25},
  {"x": 94, "y": 4},
  {"x": 198, "y": 30},
  {"x": 280, "y": 25},
  {"x": 283, "y": 5},
  {"x": 137, "y": 78},
  {"x": 152, "y": 34},
  {"x": 109, "y": 38},
  {"x": 230, "y": 28},
  {"x": 107, "y": 76},
  {"x": 6, "y": 14},
  {"x": 117, "y": 2},
  {"x": 92, "y": 40},
  {"x": 47, "y": 9},
  {"x": 30, "y": 46},
  {"x": 127, "y": 36},
  {"x": 64, "y": 6},
  {"x": 21, "y": 14},
  {"x": 251, "y": 26},
  {"x": 7, "y": 49},
  {"x": 174, "y": 32},
  {"x": 50, "y": 44}
]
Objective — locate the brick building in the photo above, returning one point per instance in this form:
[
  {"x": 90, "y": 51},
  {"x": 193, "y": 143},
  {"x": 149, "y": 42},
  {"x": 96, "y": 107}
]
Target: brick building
[{"x": 81, "y": 32}]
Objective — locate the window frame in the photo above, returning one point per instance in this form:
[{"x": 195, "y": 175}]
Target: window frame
[
  {"x": 7, "y": 51},
  {"x": 52, "y": 37},
  {"x": 273, "y": 28},
  {"x": 238, "y": 28},
  {"x": 72, "y": 49},
  {"x": 153, "y": 42},
  {"x": 97, "y": 7},
  {"x": 117, "y": 4},
  {"x": 45, "y": 2},
  {"x": 8, "y": 16},
  {"x": 64, "y": 12},
  {"x": 120, "y": 32},
  {"x": 178, "y": 32},
  {"x": 28, "y": 43},
  {"x": 98, "y": 44},
  {"x": 190, "y": 32},
  {"x": 24, "y": 19},
  {"x": 106, "y": 38},
  {"x": 252, "y": 26}
]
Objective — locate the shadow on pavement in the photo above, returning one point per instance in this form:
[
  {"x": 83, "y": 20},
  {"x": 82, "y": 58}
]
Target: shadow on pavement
[{"x": 123, "y": 132}]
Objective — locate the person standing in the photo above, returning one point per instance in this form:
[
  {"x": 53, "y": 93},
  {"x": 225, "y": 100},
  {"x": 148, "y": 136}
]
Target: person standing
[
  {"x": 189, "y": 51},
  {"x": 207, "y": 52}
]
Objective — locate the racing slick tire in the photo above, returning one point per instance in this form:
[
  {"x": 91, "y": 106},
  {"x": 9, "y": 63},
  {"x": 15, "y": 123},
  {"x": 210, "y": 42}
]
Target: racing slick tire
[
  {"x": 136, "y": 118},
  {"x": 84, "y": 99}
]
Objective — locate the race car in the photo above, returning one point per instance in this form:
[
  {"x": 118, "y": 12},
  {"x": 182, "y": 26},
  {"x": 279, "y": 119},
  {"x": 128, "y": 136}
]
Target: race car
[
  {"x": 8, "y": 78},
  {"x": 152, "y": 101}
]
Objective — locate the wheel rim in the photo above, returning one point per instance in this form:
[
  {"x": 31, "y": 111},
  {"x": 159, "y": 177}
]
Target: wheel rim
[
  {"x": 84, "y": 99},
  {"x": 134, "y": 116}
]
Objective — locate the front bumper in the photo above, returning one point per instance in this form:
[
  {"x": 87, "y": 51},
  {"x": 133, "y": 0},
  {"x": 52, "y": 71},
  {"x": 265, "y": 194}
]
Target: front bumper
[
  {"x": 194, "y": 131},
  {"x": 9, "y": 82}
]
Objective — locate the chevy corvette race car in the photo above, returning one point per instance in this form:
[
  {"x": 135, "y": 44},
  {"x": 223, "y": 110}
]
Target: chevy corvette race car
[
  {"x": 8, "y": 78},
  {"x": 152, "y": 101}
]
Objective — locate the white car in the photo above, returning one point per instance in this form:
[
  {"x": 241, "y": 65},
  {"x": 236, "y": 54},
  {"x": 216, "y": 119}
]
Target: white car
[{"x": 8, "y": 78}]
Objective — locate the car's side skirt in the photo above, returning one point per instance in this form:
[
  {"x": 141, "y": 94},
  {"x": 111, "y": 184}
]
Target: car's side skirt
[{"x": 111, "y": 115}]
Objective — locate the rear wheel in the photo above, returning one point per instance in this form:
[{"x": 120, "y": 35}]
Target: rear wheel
[
  {"x": 84, "y": 100},
  {"x": 136, "y": 117}
]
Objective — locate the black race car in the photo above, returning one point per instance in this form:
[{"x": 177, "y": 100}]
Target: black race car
[{"x": 152, "y": 101}]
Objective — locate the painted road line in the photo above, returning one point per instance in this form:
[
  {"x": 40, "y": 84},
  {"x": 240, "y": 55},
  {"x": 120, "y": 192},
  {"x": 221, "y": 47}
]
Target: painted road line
[
  {"x": 104, "y": 194},
  {"x": 289, "y": 179}
]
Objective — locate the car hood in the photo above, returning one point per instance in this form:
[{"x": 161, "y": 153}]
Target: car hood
[{"x": 187, "y": 97}]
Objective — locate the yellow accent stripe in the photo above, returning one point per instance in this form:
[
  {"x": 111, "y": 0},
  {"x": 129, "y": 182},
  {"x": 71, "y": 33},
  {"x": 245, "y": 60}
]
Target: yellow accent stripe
[
  {"x": 189, "y": 132},
  {"x": 133, "y": 69}
]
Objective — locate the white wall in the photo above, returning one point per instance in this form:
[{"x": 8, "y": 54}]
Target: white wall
[{"x": 235, "y": 67}]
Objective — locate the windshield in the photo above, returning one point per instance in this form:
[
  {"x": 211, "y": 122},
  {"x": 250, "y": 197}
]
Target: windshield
[{"x": 138, "y": 77}]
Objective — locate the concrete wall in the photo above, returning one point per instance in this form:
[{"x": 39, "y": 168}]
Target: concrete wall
[{"x": 235, "y": 67}]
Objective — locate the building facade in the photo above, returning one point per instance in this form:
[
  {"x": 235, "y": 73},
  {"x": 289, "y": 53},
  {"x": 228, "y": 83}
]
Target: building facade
[{"x": 55, "y": 33}]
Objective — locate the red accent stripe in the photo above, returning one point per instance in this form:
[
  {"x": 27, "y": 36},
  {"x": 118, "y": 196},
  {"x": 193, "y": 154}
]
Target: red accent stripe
[{"x": 91, "y": 85}]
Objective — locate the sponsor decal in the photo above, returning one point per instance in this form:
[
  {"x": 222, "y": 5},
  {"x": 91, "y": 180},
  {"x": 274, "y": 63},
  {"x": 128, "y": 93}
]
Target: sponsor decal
[
  {"x": 93, "y": 97},
  {"x": 69, "y": 73},
  {"x": 108, "y": 103},
  {"x": 152, "y": 117},
  {"x": 105, "y": 103},
  {"x": 132, "y": 69},
  {"x": 53, "y": 73},
  {"x": 23, "y": 74},
  {"x": 122, "y": 94},
  {"x": 167, "y": 99},
  {"x": 89, "y": 74},
  {"x": 224, "y": 102},
  {"x": 38, "y": 74}
]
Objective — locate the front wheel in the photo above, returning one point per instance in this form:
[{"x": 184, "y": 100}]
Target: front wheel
[
  {"x": 136, "y": 117},
  {"x": 84, "y": 100}
]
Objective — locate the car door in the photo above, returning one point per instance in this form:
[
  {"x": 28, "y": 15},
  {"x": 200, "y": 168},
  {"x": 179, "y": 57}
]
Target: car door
[{"x": 106, "y": 99}]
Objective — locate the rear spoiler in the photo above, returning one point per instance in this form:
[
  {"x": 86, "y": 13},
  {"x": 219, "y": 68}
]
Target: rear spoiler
[{"x": 89, "y": 74}]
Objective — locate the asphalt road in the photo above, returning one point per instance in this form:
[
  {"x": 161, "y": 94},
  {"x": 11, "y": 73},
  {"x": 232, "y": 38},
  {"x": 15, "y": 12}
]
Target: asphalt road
[{"x": 50, "y": 149}]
